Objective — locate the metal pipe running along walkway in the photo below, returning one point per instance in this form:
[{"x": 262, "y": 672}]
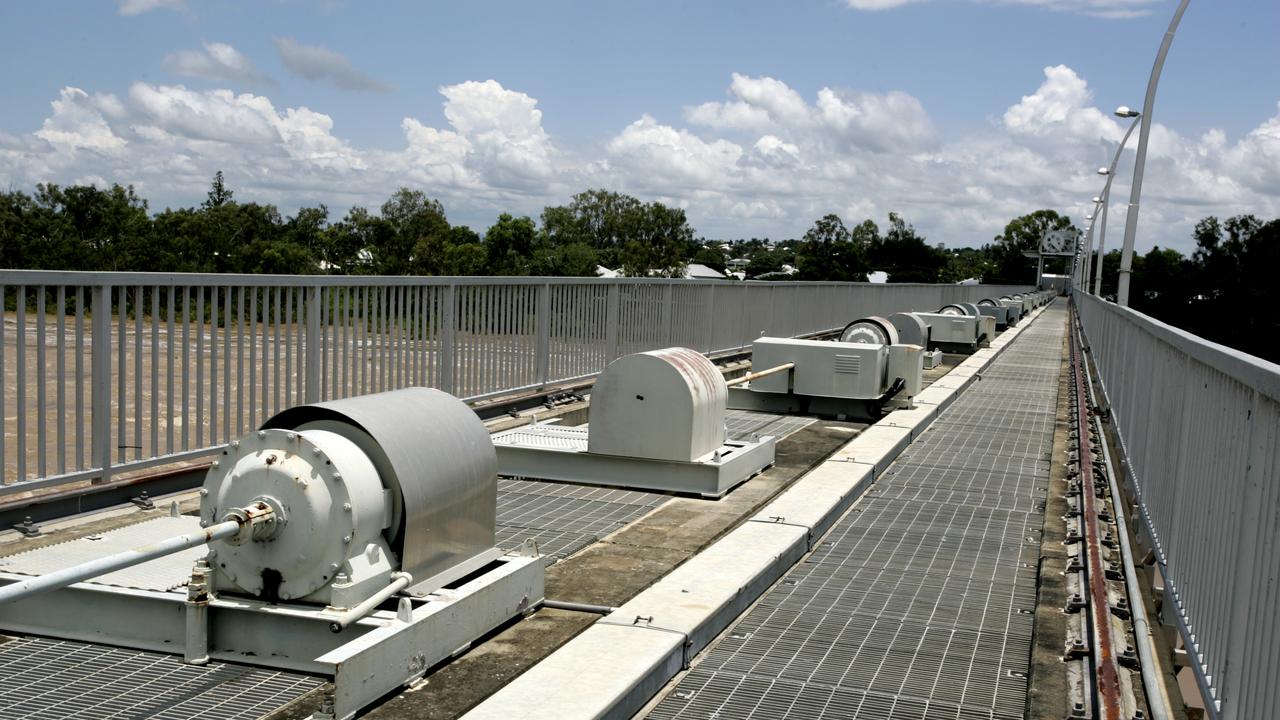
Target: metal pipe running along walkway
[{"x": 920, "y": 601}]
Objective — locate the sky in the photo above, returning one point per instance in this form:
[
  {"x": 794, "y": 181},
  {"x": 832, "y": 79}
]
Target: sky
[{"x": 756, "y": 117}]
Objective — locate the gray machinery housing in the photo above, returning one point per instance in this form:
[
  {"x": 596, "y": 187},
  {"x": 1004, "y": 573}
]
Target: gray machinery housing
[
  {"x": 331, "y": 533},
  {"x": 1014, "y": 306},
  {"x": 657, "y": 422},
  {"x": 913, "y": 330},
  {"x": 992, "y": 307},
  {"x": 954, "y": 329},
  {"x": 833, "y": 379}
]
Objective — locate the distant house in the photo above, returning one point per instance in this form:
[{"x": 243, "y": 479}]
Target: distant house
[
  {"x": 698, "y": 271},
  {"x": 970, "y": 281},
  {"x": 879, "y": 277},
  {"x": 604, "y": 272}
]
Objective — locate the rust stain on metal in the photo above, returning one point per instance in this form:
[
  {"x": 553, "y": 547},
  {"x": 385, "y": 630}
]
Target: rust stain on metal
[{"x": 1105, "y": 660}]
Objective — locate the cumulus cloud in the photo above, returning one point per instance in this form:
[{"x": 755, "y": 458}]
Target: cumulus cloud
[
  {"x": 872, "y": 121},
  {"x": 1060, "y": 105},
  {"x": 77, "y": 123},
  {"x": 137, "y": 7},
  {"x": 215, "y": 61},
  {"x": 763, "y": 160},
  {"x": 1111, "y": 9},
  {"x": 316, "y": 62}
]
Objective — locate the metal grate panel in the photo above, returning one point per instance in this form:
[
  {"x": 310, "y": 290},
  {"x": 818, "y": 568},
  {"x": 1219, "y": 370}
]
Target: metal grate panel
[
  {"x": 563, "y": 518},
  {"x": 742, "y": 424},
  {"x": 51, "y": 680}
]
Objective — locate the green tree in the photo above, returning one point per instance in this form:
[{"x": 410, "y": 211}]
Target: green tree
[
  {"x": 509, "y": 243},
  {"x": 904, "y": 254},
  {"x": 829, "y": 253},
  {"x": 1023, "y": 234},
  {"x": 656, "y": 238},
  {"x": 417, "y": 238},
  {"x": 642, "y": 238}
]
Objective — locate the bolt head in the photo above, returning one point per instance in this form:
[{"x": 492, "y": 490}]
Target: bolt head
[{"x": 262, "y": 433}]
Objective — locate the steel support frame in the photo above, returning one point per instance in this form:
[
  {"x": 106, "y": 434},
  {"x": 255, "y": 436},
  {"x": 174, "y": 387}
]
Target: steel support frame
[
  {"x": 370, "y": 658},
  {"x": 565, "y": 459}
]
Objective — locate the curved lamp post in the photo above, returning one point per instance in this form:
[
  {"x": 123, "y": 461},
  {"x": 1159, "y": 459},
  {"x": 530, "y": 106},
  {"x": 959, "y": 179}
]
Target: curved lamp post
[
  {"x": 1135, "y": 190},
  {"x": 1110, "y": 173},
  {"x": 1087, "y": 259}
]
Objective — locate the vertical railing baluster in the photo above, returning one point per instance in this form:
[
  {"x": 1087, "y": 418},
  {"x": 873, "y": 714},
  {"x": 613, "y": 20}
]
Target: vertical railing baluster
[
  {"x": 155, "y": 371},
  {"x": 42, "y": 436},
  {"x": 313, "y": 347},
  {"x": 60, "y": 399},
  {"x": 100, "y": 362}
]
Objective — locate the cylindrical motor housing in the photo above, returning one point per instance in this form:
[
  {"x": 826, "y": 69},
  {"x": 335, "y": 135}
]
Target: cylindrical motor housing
[
  {"x": 870, "y": 330},
  {"x": 327, "y": 497},
  {"x": 664, "y": 404},
  {"x": 432, "y": 458}
]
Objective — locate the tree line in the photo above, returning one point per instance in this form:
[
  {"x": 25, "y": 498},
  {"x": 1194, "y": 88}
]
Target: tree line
[
  {"x": 1222, "y": 291},
  {"x": 83, "y": 227}
]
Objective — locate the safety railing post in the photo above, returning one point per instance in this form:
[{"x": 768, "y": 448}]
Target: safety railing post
[
  {"x": 668, "y": 305},
  {"x": 448, "y": 324},
  {"x": 312, "y": 355},
  {"x": 100, "y": 368},
  {"x": 543, "y": 324},
  {"x": 613, "y": 309}
]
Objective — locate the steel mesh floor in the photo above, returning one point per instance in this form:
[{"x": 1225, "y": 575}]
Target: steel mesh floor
[
  {"x": 564, "y": 518},
  {"x": 920, "y": 602},
  {"x": 53, "y": 679}
]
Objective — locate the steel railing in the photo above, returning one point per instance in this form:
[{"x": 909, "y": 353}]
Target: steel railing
[
  {"x": 1199, "y": 428},
  {"x": 107, "y": 373}
]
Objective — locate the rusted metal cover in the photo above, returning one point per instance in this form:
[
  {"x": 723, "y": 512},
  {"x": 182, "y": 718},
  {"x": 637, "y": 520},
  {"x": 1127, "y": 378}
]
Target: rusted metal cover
[
  {"x": 435, "y": 454},
  {"x": 663, "y": 404}
]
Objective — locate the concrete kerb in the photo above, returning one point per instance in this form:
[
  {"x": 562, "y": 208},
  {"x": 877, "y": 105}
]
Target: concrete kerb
[
  {"x": 652, "y": 637},
  {"x": 655, "y": 634}
]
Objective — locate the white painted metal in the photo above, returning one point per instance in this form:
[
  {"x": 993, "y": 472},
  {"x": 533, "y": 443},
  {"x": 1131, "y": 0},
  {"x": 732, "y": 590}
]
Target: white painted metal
[
  {"x": 907, "y": 362},
  {"x": 659, "y": 405},
  {"x": 955, "y": 330},
  {"x": 334, "y": 511},
  {"x": 1199, "y": 425},
  {"x": 553, "y": 452},
  {"x": 822, "y": 369}
]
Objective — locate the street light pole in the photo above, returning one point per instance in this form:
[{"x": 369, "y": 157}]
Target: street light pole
[
  {"x": 1139, "y": 163},
  {"x": 1121, "y": 111},
  {"x": 1088, "y": 254}
]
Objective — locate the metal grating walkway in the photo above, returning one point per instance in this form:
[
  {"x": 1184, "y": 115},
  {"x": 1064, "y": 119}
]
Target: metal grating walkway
[
  {"x": 920, "y": 602},
  {"x": 564, "y": 518},
  {"x": 52, "y": 679}
]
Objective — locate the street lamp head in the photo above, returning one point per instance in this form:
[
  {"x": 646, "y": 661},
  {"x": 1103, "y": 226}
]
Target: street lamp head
[
  {"x": 1125, "y": 111},
  {"x": 1104, "y": 171}
]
